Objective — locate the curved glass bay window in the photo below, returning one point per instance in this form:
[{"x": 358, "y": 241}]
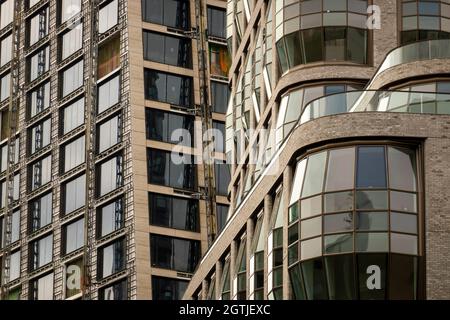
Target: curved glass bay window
[
  {"x": 257, "y": 262},
  {"x": 321, "y": 30},
  {"x": 425, "y": 20},
  {"x": 354, "y": 224},
  {"x": 225, "y": 281},
  {"x": 275, "y": 249}
]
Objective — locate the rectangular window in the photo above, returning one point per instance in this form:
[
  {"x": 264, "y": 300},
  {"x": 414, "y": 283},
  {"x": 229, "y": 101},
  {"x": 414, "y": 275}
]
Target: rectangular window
[
  {"x": 5, "y": 50},
  {"x": 4, "y": 192},
  {"x": 15, "y": 230},
  {"x": 219, "y": 96},
  {"x": 38, "y": 26},
  {"x": 168, "y": 289},
  {"x": 219, "y": 59},
  {"x": 39, "y": 135},
  {"x": 7, "y": 13},
  {"x": 15, "y": 266},
  {"x": 163, "y": 170},
  {"x": 108, "y": 57},
  {"x": 39, "y": 99},
  {"x": 173, "y": 212},
  {"x": 223, "y": 177},
  {"x": 40, "y": 210},
  {"x": 73, "y": 236},
  {"x": 39, "y": 63},
  {"x": 69, "y": 8},
  {"x": 73, "y": 194},
  {"x": 42, "y": 288},
  {"x": 168, "y": 88},
  {"x": 222, "y": 216},
  {"x": 169, "y": 127},
  {"x": 108, "y": 93},
  {"x": 216, "y": 22},
  {"x": 174, "y": 253},
  {"x": 72, "y": 78},
  {"x": 71, "y": 41},
  {"x": 72, "y": 116},
  {"x": 41, "y": 252},
  {"x": 171, "y": 13},
  {"x": 110, "y": 218},
  {"x": 111, "y": 259},
  {"x": 176, "y": 51},
  {"x": 219, "y": 136},
  {"x": 116, "y": 291},
  {"x": 109, "y": 175},
  {"x": 74, "y": 276},
  {"x": 109, "y": 133},
  {"x": 108, "y": 16},
  {"x": 73, "y": 153},
  {"x": 5, "y": 83},
  {"x": 4, "y": 155},
  {"x": 40, "y": 172}
]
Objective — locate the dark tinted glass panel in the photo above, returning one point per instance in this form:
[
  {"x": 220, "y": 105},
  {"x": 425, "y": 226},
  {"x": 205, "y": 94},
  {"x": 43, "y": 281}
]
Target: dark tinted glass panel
[
  {"x": 222, "y": 215},
  {"x": 296, "y": 279},
  {"x": 111, "y": 259},
  {"x": 341, "y": 277},
  {"x": 168, "y": 88},
  {"x": 312, "y": 45},
  {"x": 403, "y": 277},
  {"x": 357, "y": 45},
  {"x": 174, "y": 253},
  {"x": 168, "y": 289},
  {"x": 216, "y": 22},
  {"x": 172, "y": 212},
  {"x": 371, "y": 168},
  {"x": 117, "y": 291},
  {"x": 165, "y": 49},
  {"x": 222, "y": 177},
  {"x": 219, "y": 96},
  {"x": 172, "y": 13},
  {"x": 169, "y": 127},
  {"x": 314, "y": 277},
  {"x": 372, "y": 276},
  {"x": 335, "y": 43}
]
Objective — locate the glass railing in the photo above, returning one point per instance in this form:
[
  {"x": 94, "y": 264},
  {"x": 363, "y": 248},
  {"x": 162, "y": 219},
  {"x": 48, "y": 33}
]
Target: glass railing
[
  {"x": 417, "y": 51},
  {"x": 377, "y": 101}
]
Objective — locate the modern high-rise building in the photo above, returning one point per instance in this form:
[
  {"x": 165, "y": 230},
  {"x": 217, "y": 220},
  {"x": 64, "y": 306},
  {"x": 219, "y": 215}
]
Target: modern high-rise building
[
  {"x": 338, "y": 137},
  {"x": 104, "y": 103}
]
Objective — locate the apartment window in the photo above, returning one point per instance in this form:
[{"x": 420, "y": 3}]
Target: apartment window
[
  {"x": 167, "y": 288},
  {"x": 6, "y": 13},
  {"x": 72, "y": 116},
  {"x": 73, "y": 194},
  {"x": 40, "y": 212},
  {"x": 425, "y": 20},
  {"x": 219, "y": 59},
  {"x": 38, "y": 99},
  {"x": 5, "y": 82},
  {"x": 73, "y": 153},
  {"x": 173, "y": 212},
  {"x": 109, "y": 175},
  {"x": 108, "y": 93},
  {"x": 108, "y": 16},
  {"x": 42, "y": 288},
  {"x": 222, "y": 216},
  {"x": 74, "y": 276},
  {"x": 41, "y": 252},
  {"x": 73, "y": 234},
  {"x": 109, "y": 133},
  {"x": 4, "y": 155},
  {"x": 116, "y": 291},
  {"x": 35, "y": 31},
  {"x": 171, "y": 13},
  {"x": 108, "y": 57},
  {"x": 15, "y": 226},
  {"x": 110, "y": 218},
  {"x": 71, "y": 41},
  {"x": 220, "y": 94},
  {"x": 4, "y": 192},
  {"x": 5, "y": 50},
  {"x": 14, "y": 272},
  {"x": 219, "y": 136},
  {"x": 176, "y": 51},
  {"x": 40, "y": 172},
  {"x": 69, "y": 8},
  {"x": 39, "y": 63},
  {"x": 216, "y": 22},
  {"x": 168, "y": 88},
  {"x": 169, "y": 127},
  {"x": 223, "y": 177},
  {"x": 111, "y": 259},
  {"x": 170, "y": 170},
  {"x": 40, "y": 135},
  {"x": 72, "y": 78},
  {"x": 174, "y": 253}
]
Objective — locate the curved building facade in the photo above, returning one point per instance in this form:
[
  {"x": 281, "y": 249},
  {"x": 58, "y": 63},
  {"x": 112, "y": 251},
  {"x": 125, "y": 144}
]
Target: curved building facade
[{"x": 337, "y": 136}]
